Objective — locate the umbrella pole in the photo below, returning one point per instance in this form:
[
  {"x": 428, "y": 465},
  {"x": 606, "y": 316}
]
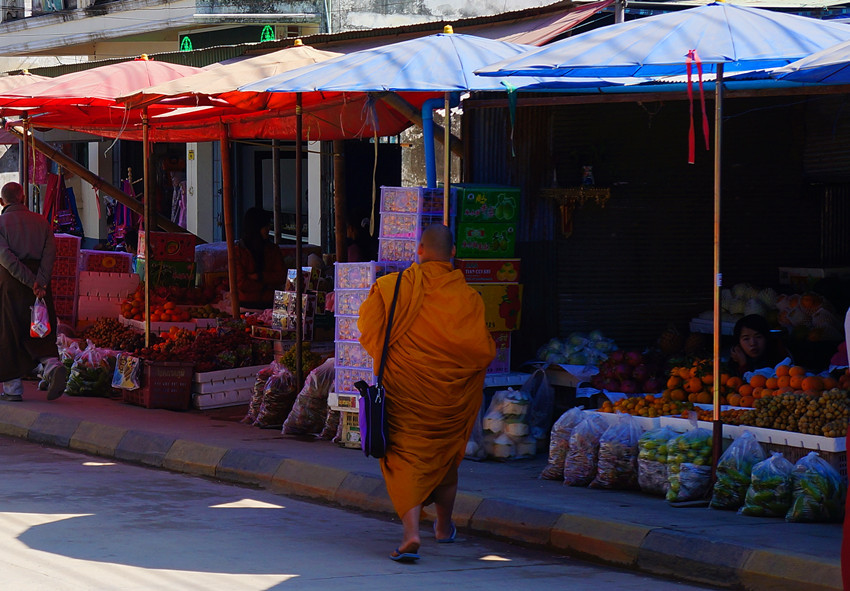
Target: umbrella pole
[
  {"x": 227, "y": 196},
  {"x": 717, "y": 434},
  {"x": 25, "y": 162},
  {"x": 148, "y": 226},
  {"x": 276, "y": 188},
  {"x": 447, "y": 159},
  {"x": 340, "y": 213},
  {"x": 299, "y": 284}
]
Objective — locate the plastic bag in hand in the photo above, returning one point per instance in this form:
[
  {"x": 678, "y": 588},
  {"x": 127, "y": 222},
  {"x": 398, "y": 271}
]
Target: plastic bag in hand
[{"x": 39, "y": 319}]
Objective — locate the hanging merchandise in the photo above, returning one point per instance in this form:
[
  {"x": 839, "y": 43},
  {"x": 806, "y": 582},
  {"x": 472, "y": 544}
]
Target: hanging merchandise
[{"x": 60, "y": 207}]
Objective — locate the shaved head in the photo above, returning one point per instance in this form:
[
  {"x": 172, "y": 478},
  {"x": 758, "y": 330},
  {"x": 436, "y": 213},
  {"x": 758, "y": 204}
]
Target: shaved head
[
  {"x": 12, "y": 193},
  {"x": 436, "y": 244}
]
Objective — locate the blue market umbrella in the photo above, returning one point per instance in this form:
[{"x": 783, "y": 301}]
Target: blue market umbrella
[
  {"x": 719, "y": 37},
  {"x": 830, "y": 66}
]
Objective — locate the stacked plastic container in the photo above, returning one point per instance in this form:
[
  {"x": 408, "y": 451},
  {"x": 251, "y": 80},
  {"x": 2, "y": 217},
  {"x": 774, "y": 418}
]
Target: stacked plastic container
[
  {"x": 352, "y": 362},
  {"x": 405, "y": 212},
  {"x": 65, "y": 279}
]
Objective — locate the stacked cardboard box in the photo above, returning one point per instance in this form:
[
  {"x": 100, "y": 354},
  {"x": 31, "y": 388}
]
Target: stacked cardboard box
[{"x": 64, "y": 283}]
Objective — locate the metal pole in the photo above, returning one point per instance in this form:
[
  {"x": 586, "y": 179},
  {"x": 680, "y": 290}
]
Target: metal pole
[
  {"x": 299, "y": 287},
  {"x": 276, "y": 188},
  {"x": 717, "y": 435},
  {"x": 227, "y": 199},
  {"x": 619, "y": 11},
  {"x": 447, "y": 159},
  {"x": 148, "y": 225},
  {"x": 25, "y": 163}
]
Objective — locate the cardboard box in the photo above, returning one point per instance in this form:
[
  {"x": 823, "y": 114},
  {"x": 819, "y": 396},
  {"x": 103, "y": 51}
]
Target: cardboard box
[
  {"x": 485, "y": 240},
  {"x": 502, "y": 304},
  {"x": 167, "y": 273},
  {"x": 67, "y": 245},
  {"x": 485, "y": 203},
  {"x": 106, "y": 261},
  {"x": 489, "y": 270},
  {"x": 169, "y": 246},
  {"x": 350, "y": 429}
]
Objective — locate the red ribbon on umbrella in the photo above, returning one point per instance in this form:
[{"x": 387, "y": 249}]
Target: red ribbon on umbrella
[{"x": 693, "y": 57}]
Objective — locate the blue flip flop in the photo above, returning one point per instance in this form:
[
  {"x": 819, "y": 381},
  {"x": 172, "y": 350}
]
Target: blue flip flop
[
  {"x": 406, "y": 557},
  {"x": 450, "y": 539}
]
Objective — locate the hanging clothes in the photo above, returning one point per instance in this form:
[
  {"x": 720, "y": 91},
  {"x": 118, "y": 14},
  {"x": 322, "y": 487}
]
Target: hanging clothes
[{"x": 60, "y": 207}]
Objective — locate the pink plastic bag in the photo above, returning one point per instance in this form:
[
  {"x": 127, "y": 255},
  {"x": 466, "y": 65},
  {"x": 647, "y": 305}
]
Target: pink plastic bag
[{"x": 39, "y": 320}]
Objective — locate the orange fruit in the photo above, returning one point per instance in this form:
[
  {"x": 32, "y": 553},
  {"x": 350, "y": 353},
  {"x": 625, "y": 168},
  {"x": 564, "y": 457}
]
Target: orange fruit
[
  {"x": 758, "y": 381},
  {"x": 782, "y": 370},
  {"x": 796, "y": 382},
  {"x": 745, "y": 390},
  {"x": 693, "y": 385},
  {"x": 747, "y": 401},
  {"x": 708, "y": 379},
  {"x": 693, "y": 397},
  {"x": 812, "y": 383},
  {"x": 796, "y": 370},
  {"x": 684, "y": 373},
  {"x": 771, "y": 383},
  {"x": 678, "y": 394},
  {"x": 651, "y": 398},
  {"x": 783, "y": 381},
  {"x": 734, "y": 399},
  {"x": 724, "y": 379},
  {"x": 829, "y": 383},
  {"x": 783, "y": 390},
  {"x": 734, "y": 382},
  {"x": 674, "y": 381},
  {"x": 704, "y": 398}
]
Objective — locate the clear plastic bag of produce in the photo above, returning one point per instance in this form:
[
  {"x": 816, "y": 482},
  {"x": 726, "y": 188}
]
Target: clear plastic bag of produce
[
  {"x": 818, "y": 491},
  {"x": 542, "y": 397},
  {"x": 692, "y": 447},
  {"x": 69, "y": 350},
  {"x": 618, "y": 454},
  {"x": 332, "y": 421},
  {"x": 258, "y": 389},
  {"x": 559, "y": 443},
  {"x": 505, "y": 430},
  {"x": 770, "y": 491},
  {"x": 652, "y": 460},
  {"x": 580, "y": 464},
  {"x": 734, "y": 470},
  {"x": 91, "y": 373},
  {"x": 279, "y": 394},
  {"x": 311, "y": 406}
]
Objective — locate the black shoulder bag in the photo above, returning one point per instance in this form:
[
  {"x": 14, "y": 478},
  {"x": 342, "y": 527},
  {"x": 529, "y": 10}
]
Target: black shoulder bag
[{"x": 371, "y": 404}]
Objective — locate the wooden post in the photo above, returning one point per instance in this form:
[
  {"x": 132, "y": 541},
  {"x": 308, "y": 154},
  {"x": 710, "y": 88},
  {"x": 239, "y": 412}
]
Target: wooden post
[
  {"x": 276, "y": 188},
  {"x": 146, "y": 173},
  {"x": 299, "y": 287},
  {"x": 340, "y": 209},
  {"x": 25, "y": 162},
  {"x": 227, "y": 198},
  {"x": 447, "y": 159}
]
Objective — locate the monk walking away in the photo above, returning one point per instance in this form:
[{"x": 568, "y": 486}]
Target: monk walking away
[
  {"x": 27, "y": 251},
  {"x": 438, "y": 355}
]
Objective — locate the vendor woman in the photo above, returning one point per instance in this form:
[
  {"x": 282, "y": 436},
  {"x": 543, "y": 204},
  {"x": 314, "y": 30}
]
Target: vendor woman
[
  {"x": 260, "y": 268},
  {"x": 755, "y": 346}
]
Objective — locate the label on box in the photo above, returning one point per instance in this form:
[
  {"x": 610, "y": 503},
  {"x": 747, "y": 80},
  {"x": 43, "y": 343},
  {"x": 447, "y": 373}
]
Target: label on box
[
  {"x": 486, "y": 203},
  {"x": 502, "y": 362},
  {"x": 502, "y": 304},
  {"x": 169, "y": 246},
  {"x": 488, "y": 240},
  {"x": 489, "y": 270}
]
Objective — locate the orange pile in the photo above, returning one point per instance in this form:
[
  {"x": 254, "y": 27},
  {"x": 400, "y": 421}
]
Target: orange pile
[{"x": 650, "y": 405}]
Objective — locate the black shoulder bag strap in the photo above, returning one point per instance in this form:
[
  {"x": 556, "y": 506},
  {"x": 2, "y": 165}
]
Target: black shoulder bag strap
[{"x": 389, "y": 329}]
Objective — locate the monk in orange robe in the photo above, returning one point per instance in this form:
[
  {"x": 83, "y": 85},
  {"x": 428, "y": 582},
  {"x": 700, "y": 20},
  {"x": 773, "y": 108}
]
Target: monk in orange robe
[{"x": 438, "y": 355}]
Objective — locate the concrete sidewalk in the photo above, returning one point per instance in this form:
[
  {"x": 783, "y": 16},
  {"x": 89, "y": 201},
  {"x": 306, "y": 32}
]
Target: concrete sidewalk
[{"x": 502, "y": 500}]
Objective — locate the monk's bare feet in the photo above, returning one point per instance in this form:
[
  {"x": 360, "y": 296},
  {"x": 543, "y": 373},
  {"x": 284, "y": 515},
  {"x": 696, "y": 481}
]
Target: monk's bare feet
[{"x": 410, "y": 546}]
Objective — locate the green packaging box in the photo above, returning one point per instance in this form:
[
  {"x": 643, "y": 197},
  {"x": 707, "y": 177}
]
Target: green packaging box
[
  {"x": 487, "y": 240},
  {"x": 485, "y": 203},
  {"x": 167, "y": 273}
]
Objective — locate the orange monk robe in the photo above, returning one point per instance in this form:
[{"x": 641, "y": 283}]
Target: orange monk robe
[{"x": 434, "y": 377}]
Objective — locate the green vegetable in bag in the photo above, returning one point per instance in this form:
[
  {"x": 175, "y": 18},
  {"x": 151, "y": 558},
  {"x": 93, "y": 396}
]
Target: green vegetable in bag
[
  {"x": 769, "y": 494},
  {"x": 818, "y": 491},
  {"x": 733, "y": 472},
  {"x": 691, "y": 447},
  {"x": 652, "y": 460}
]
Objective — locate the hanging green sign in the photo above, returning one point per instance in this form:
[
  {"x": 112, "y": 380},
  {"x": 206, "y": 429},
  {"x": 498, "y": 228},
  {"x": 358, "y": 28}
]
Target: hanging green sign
[
  {"x": 267, "y": 34},
  {"x": 186, "y": 44}
]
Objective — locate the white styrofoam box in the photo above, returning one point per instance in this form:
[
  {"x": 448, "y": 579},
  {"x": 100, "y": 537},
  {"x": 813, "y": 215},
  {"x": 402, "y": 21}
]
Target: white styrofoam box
[
  {"x": 506, "y": 379},
  {"x": 346, "y": 377},
  {"x": 94, "y": 307},
  {"x": 363, "y": 275},
  {"x": 222, "y": 399},
  {"x": 114, "y": 285},
  {"x": 352, "y": 354},
  {"x": 342, "y": 401},
  {"x": 155, "y": 326},
  {"x": 225, "y": 380},
  {"x": 348, "y": 301},
  {"x": 346, "y": 328}
]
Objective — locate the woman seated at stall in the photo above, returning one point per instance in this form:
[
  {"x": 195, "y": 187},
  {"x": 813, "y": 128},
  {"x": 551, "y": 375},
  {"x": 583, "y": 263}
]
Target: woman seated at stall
[
  {"x": 260, "y": 268},
  {"x": 755, "y": 346}
]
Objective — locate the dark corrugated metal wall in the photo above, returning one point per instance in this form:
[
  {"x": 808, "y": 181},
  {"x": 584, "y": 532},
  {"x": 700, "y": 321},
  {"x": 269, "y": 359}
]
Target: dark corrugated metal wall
[{"x": 645, "y": 259}]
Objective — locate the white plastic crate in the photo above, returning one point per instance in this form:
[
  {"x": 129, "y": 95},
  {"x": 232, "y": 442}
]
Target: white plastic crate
[
  {"x": 349, "y": 354},
  {"x": 94, "y": 307},
  {"x": 397, "y": 249},
  {"x": 222, "y": 399},
  {"x": 346, "y": 328},
  {"x": 412, "y": 200},
  {"x": 348, "y": 301},
  {"x": 346, "y": 377}
]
